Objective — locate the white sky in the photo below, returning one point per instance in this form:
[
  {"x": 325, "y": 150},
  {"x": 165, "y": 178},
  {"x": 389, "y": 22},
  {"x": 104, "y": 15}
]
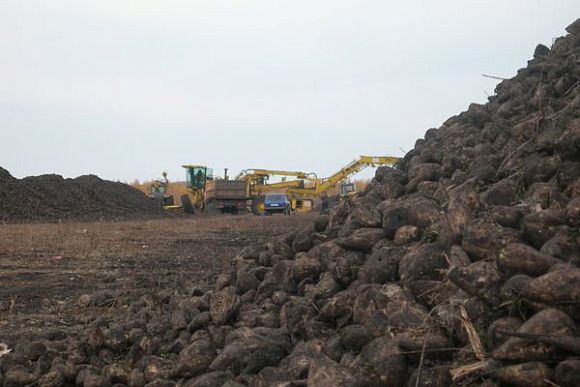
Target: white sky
[{"x": 126, "y": 89}]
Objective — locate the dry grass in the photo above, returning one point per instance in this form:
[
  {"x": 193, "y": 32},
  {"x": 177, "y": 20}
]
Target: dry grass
[
  {"x": 474, "y": 339},
  {"x": 467, "y": 370}
]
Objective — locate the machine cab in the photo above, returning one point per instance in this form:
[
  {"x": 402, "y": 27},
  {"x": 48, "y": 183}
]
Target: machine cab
[
  {"x": 347, "y": 189},
  {"x": 159, "y": 189},
  {"x": 197, "y": 175}
]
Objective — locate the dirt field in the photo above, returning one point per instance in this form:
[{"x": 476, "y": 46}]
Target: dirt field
[{"x": 48, "y": 271}]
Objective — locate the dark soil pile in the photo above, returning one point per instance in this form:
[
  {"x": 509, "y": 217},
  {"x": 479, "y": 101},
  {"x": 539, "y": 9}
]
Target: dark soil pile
[
  {"x": 458, "y": 267},
  {"x": 51, "y": 197}
]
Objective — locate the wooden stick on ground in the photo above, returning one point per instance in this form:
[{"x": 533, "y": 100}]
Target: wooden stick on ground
[{"x": 474, "y": 339}]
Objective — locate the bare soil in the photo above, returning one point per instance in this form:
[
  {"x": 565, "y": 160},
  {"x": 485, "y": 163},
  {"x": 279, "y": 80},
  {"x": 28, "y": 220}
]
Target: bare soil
[{"x": 65, "y": 275}]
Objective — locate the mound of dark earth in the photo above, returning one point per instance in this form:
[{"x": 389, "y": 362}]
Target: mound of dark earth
[
  {"x": 458, "y": 267},
  {"x": 51, "y": 197}
]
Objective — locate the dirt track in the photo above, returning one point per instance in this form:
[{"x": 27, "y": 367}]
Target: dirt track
[{"x": 46, "y": 268}]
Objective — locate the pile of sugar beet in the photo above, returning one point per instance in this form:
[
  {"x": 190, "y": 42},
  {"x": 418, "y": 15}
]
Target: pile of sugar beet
[
  {"x": 53, "y": 198},
  {"x": 458, "y": 267}
]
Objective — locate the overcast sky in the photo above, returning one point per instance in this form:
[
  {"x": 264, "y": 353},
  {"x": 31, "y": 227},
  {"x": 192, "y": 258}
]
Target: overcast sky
[{"x": 127, "y": 89}]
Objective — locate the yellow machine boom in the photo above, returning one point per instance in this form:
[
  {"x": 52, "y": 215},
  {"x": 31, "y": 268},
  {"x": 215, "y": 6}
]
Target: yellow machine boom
[
  {"x": 323, "y": 185},
  {"x": 249, "y": 174},
  {"x": 256, "y": 180},
  {"x": 299, "y": 194}
]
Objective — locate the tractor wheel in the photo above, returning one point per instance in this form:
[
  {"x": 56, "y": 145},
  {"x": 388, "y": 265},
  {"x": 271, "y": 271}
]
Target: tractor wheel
[
  {"x": 258, "y": 206},
  {"x": 187, "y": 205}
]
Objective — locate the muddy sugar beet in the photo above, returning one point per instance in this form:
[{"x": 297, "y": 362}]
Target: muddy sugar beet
[{"x": 459, "y": 266}]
